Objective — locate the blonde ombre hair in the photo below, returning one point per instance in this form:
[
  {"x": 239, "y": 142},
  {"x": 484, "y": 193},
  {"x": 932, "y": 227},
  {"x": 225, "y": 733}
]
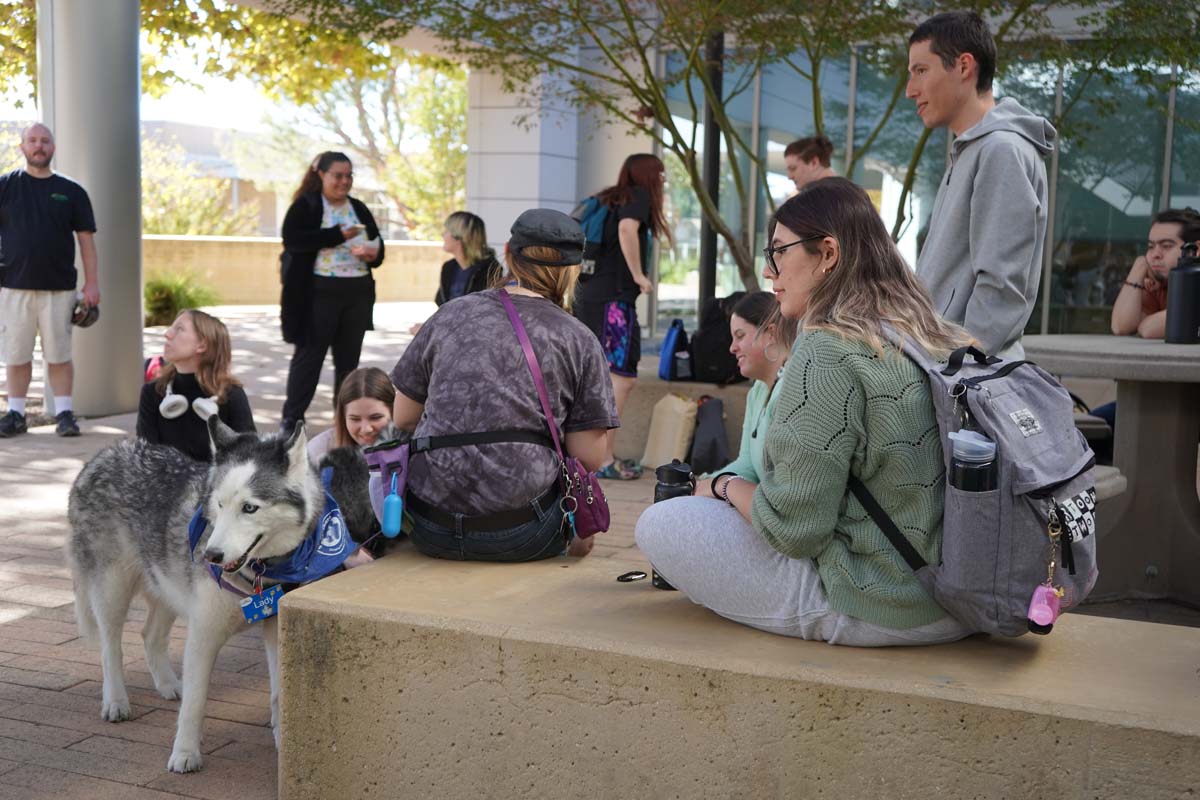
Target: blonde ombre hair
[
  {"x": 213, "y": 371},
  {"x": 556, "y": 284},
  {"x": 871, "y": 285},
  {"x": 468, "y": 229}
]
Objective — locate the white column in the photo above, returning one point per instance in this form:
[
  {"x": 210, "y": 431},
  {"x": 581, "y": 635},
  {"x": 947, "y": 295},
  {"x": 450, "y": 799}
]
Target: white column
[
  {"x": 89, "y": 93},
  {"x": 511, "y": 167}
]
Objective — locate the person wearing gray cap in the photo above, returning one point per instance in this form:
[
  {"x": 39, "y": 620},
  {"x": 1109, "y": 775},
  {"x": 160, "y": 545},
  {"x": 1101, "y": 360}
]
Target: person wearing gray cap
[{"x": 483, "y": 479}]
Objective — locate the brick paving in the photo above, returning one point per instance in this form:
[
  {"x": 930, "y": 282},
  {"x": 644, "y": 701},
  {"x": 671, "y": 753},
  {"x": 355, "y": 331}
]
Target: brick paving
[{"x": 53, "y": 743}]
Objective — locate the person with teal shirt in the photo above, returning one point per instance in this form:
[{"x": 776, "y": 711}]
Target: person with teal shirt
[
  {"x": 762, "y": 339},
  {"x": 795, "y": 553}
]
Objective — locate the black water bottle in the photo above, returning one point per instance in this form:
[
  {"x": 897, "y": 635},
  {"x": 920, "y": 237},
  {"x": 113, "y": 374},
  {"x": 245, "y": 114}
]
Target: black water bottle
[
  {"x": 973, "y": 466},
  {"x": 674, "y": 480},
  {"x": 1183, "y": 299}
]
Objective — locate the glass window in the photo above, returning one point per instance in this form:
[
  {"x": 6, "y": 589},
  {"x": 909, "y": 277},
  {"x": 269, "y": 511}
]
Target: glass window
[
  {"x": 1185, "y": 154},
  {"x": 882, "y": 167},
  {"x": 785, "y": 114},
  {"x": 1111, "y": 144}
]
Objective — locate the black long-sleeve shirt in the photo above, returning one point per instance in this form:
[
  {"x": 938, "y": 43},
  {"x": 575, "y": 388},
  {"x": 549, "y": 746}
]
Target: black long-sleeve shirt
[{"x": 188, "y": 433}]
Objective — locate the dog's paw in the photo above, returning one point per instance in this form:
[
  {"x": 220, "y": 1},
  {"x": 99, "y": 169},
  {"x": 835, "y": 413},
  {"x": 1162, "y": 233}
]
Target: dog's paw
[
  {"x": 115, "y": 710},
  {"x": 185, "y": 761},
  {"x": 170, "y": 690}
]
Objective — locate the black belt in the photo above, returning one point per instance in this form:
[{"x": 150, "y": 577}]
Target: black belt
[
  {"x": 423, "y": 444},
  {"x": 484, "y": 523}
]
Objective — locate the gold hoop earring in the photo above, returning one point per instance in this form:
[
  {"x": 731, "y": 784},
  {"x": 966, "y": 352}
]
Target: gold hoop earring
[{"x": 767, "y": 354}]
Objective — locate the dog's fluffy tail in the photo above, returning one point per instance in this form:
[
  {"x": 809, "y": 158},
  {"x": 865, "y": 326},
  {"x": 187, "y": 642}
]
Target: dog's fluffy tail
[{"x": 85, "y": 618}]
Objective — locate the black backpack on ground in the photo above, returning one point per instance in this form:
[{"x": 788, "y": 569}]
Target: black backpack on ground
[
  {"x": 711, "y": 360},
  {"x": 710, "y": 445}
]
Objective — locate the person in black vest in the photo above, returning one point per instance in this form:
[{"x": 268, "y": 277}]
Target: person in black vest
[
  {"x": 195, "y": 383},
  {"x": 41, "y": 215},
  {"x": 330, "y": 245},
  {"x": 606, "y": 301}
]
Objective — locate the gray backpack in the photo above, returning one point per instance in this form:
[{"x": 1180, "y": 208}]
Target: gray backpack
[{"x": 1033, "y": 536}]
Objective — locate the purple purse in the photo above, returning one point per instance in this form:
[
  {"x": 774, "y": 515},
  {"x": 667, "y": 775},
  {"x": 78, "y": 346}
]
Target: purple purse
[{"x": 583, "y": 499}]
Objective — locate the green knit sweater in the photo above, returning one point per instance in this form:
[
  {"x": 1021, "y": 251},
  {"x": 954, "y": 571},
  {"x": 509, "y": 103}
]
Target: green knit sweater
[{"x": 842, "y": 410}]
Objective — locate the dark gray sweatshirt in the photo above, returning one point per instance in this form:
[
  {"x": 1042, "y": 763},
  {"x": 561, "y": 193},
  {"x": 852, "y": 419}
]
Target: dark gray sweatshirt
[{"x": 982, "y": 259}]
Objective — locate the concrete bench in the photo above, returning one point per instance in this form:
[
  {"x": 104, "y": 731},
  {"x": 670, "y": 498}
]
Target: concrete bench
[{"x": 412, "y": 677}]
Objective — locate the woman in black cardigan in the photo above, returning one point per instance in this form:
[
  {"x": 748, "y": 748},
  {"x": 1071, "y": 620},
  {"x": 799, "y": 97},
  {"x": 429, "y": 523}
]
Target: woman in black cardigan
[
  {"x": 473, "y": 267},
  {"x": 330, "y": 245}
]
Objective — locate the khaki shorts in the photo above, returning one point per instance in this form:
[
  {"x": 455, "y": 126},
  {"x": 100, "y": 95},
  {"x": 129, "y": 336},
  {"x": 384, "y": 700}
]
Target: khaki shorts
[{"x": 24, "y": 313}]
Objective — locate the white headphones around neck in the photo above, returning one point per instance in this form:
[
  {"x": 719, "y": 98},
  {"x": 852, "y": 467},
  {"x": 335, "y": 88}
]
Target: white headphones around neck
[{"x": 174, "y": 406}]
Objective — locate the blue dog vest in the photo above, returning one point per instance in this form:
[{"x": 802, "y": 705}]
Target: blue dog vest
[{"x": 327, "y": 545}]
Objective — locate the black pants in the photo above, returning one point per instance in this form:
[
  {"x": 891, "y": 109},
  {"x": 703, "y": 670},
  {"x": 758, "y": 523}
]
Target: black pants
[{"x": 339, "y": 317}]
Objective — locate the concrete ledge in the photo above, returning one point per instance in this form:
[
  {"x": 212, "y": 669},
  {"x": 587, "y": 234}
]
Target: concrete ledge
[
  {"x": 1109, "y": 483},
  {"x": 417, "y": 678}
]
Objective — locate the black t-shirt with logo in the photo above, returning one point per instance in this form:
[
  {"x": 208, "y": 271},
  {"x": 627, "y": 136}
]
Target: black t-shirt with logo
[
  {"x": 612, "y": 280},
  {"x": 38, "y": 221}
]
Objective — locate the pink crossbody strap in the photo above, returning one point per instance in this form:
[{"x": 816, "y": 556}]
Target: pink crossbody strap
[{"x": 534, "y": 368}]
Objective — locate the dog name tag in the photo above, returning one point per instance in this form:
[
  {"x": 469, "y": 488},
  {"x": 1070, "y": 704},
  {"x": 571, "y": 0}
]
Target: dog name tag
[{"x": 258, "y": 607}]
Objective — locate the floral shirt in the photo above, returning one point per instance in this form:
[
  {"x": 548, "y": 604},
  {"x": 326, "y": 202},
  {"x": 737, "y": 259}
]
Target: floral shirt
[{"x": 339, "y": 262}]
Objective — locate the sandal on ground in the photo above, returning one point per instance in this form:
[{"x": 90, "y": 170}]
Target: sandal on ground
[
  {"x": 617, "y": 471},
  {"x": 631, "y": 465}
]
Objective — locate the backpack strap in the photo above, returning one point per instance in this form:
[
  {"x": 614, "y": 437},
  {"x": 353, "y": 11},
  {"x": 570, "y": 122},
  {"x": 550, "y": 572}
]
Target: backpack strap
[
  {"x": 893, "y": 534},
  {"x": 955, "y": 362}
]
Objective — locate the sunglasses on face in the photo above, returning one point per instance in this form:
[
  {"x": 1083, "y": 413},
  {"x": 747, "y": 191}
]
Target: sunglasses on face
[{"x": 770, "y": 252}]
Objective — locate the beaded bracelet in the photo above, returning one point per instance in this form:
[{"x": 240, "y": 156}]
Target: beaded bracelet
[
  {"x": 712, "y": 485},
  {"x": 725, "y": 490},
  {"x": 1138, "y": 286}
]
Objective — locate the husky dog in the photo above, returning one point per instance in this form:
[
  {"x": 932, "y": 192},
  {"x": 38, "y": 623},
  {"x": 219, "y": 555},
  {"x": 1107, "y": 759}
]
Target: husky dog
[{"x": 130, "y": 510}]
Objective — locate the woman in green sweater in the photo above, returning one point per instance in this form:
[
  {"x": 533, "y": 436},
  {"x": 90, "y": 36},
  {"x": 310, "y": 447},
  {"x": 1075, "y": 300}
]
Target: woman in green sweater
[
  {"x": 762, "y": 340},
  {"x": 795, "y": 554}
]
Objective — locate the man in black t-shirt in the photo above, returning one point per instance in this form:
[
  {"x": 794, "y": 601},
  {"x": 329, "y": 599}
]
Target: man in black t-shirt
[{"x": 41, "y": 216}]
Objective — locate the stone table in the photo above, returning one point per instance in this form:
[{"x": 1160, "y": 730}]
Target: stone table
[{"x": 1150, "y": 537}]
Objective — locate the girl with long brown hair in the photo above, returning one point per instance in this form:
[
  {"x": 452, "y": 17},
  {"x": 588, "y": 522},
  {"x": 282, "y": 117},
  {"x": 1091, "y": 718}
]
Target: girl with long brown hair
[
  {"x": 605, "y": 300},
  {"x": 362, "y": 413},
  {"x": 795, "y": 553},
  {"x": 195, "y": 383}
]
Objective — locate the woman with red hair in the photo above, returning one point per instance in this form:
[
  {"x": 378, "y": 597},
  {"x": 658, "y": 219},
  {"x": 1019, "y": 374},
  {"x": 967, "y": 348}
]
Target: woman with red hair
[{"x": 605, "y": 300}]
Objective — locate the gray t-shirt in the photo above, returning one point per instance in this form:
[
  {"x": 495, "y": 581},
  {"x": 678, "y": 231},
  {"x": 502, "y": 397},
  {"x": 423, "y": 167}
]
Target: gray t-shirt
[{"x": 468, "y": 369}]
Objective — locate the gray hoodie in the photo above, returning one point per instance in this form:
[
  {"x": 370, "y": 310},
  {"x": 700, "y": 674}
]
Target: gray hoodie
[{"x": 982, "y": 259}]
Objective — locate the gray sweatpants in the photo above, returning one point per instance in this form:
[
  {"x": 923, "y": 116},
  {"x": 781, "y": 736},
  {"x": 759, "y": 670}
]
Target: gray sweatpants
[{"x": 706, "y": 549}]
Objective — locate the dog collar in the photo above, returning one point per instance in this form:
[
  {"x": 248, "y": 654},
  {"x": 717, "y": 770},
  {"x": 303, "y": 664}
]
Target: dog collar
[{"x": 321, "y": 553}]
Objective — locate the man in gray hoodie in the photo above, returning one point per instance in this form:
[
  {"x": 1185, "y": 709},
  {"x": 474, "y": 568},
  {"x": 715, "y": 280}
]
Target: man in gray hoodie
[{"x": 982, "y": 259}]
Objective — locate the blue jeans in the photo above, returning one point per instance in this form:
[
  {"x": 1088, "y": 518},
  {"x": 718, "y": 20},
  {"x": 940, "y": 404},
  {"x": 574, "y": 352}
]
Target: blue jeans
[{"x": 540, "y": 538}]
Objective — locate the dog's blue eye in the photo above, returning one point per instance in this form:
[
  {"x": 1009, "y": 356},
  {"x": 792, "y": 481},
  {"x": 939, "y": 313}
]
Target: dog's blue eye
[{"x": 249, "y": 508}]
